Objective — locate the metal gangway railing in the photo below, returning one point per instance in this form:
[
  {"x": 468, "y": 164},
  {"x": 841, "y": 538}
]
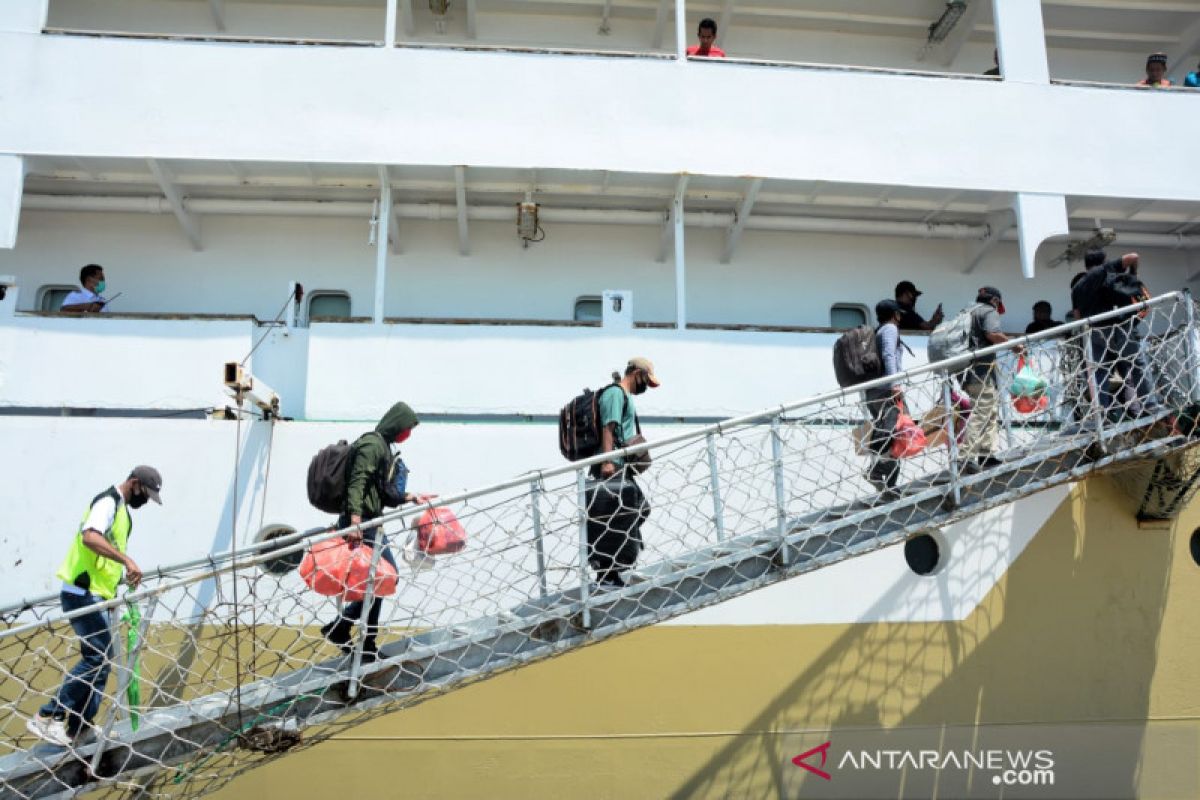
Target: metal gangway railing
[{"x": 225, "y": 667}]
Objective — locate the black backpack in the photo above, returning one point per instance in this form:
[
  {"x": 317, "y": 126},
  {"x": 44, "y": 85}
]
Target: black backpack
[
  {"x": 579, "y": 425},
  {"x": 327, "y": 476},
  {"x": 856, "y": 356}
]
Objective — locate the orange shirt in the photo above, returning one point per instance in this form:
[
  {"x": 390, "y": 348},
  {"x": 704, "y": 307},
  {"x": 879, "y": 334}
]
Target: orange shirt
[{"x": 713, "y": 52}]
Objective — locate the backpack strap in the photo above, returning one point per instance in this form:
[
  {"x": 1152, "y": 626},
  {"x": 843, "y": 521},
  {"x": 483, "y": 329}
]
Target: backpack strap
[{"x": 637, "y": 423}]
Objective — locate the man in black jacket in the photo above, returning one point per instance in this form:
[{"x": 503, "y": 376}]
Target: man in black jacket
[{"x": 1118, "y": 343}]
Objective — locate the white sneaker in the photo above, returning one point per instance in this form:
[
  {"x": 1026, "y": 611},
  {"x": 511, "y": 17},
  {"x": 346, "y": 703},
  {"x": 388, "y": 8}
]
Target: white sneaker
[{"x": 49, "y": 729}]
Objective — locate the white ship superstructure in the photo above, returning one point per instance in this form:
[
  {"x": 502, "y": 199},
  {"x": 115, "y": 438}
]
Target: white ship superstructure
[{"x": 481, "y": 207}]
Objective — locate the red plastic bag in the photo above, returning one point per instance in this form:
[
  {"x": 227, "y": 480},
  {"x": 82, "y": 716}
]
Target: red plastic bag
[
  {"x": 1027, "y": 405},
  {"x": 332, "y": 568},
  {"x": 324, "y": 567},
  {"x": 908, "y": 439},
  {"x": 359, "y": 571},
  {"x": 439, "y": 532}
]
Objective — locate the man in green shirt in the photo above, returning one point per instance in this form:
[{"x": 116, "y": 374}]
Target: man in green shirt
[{"x": 617, "y": 506}]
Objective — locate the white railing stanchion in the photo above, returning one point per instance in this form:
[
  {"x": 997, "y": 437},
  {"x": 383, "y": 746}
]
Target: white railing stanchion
[
  {"x": 126, "y": 669},
  {"x": 1193, "y": 349},
  {"x": 715, "y": 487},
  {"x": 1004, "y": 403},
  {"x": 781, "y": 516},
  {"x": 364, "y": 626},
  {"x": 584, "y": 588},
  {"x": 535, "y": 492},
  {"x": 1097, "y": 405},
  {"x": 951, "y": 428}
]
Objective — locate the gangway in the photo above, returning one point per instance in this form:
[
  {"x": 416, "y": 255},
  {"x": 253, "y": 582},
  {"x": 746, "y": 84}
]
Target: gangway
[{"x": 232, "y": 670}]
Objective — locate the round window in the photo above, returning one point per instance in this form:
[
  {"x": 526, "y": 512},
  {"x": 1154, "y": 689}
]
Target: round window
[
  {"x": 286, "y": 562},
  {"x": 923, "y": 554}
]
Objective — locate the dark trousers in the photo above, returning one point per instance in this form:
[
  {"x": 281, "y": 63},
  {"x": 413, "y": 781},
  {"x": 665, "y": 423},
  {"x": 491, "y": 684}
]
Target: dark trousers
[
  {"x": 884, "y": 411},
  {"x": 353, "y": 612},
  {"x": 616, "y": 510},
  {"x": 78, "y": 699},
  {"x": 1120, "y": 349}
]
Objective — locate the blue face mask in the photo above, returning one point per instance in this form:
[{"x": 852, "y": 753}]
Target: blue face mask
[{"x": 100, "y": 287}]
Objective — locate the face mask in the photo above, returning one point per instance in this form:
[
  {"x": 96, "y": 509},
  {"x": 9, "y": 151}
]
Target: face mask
[
  {"x": 402, "y": 436},
  {"x": 137, "y": 500},
  {"x": 100, "y": 287},
  {"x": 640, "y": 384}
]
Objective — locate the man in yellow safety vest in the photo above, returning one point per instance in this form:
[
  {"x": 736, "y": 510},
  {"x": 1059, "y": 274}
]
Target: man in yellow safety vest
[{"x": 90, "y": 574}]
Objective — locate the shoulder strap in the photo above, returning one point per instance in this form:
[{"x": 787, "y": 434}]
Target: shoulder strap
[{"x": 637, "y": 423}]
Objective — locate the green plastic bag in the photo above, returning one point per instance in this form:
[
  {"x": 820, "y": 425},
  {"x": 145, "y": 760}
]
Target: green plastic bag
[
  {"x": 133, "y": 691},
  {"x": 1027, "y": 383}
]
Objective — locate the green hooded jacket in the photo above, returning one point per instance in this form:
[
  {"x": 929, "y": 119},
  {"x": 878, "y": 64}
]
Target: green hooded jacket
[{"x": 368, "y": 462}]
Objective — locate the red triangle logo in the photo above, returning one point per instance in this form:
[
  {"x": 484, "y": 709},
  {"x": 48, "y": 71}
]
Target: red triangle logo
[{"x": 801, "y": 760}]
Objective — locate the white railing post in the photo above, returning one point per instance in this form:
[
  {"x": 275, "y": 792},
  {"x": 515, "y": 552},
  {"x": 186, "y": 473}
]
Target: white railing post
[
  {"x": 1193, "y": 349},
  {"x": 781, "y": 517},
  {"x": 951, "y": 439},
  {"x": 584, "y": 588},
  {"x": 125, "y": 669},
  {"x": 535, "y": 492},
  {"x": 1097, "y": 406},
  {"x": 1004, "y": 401},
  {"x": 715, "y": 485},
  {"x": 364, "y": 626}
]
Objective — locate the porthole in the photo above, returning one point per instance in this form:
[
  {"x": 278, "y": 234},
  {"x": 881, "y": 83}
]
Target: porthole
[
  {"x": 285, "y": 563},
  {"x": 1195, "y": 546},
  {"x": 924, "y": 553}
]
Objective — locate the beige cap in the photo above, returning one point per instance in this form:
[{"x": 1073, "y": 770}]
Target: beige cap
[{"x": 648, "y": 365}]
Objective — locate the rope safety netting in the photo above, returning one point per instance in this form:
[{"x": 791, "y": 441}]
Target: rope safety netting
[{"x": 220, "y": 664}]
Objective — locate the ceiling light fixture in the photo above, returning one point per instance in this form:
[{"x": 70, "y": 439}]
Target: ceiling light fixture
[{"x": 939, "y": 30}]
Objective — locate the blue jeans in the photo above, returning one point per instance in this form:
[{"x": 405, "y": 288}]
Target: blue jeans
[{"x": 79, "y": 697}]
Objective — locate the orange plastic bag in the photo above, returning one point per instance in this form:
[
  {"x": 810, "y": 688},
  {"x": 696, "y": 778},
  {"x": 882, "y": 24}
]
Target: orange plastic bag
[
  {"x": 359, "y": 571},
  {"x": 439, "y": 532},
  {"x": 908, "y": 439},
  {"x": 332, "y": 568},
  {"x": 323, "y": 567}
]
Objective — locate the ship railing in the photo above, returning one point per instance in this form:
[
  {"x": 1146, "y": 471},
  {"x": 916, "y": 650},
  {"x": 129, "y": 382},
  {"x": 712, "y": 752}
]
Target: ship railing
[{"x": 226, "y": 652}]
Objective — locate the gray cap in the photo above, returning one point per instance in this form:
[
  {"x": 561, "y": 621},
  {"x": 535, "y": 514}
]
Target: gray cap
[{"x": 150, "y": 480}]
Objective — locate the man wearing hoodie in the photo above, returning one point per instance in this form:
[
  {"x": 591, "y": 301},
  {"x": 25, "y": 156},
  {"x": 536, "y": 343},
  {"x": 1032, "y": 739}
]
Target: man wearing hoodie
[{"x": 366, "y": 470}]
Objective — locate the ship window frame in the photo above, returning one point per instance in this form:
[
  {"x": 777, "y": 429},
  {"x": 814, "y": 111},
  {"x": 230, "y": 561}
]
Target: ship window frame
[
  {"x": 588, "y": 299},
  {"x": 859, "y": 308},
  {"x": 918, "y": 556},
  {"x": 47, "y": 290},
  {"x": 322, "y": 293}
]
